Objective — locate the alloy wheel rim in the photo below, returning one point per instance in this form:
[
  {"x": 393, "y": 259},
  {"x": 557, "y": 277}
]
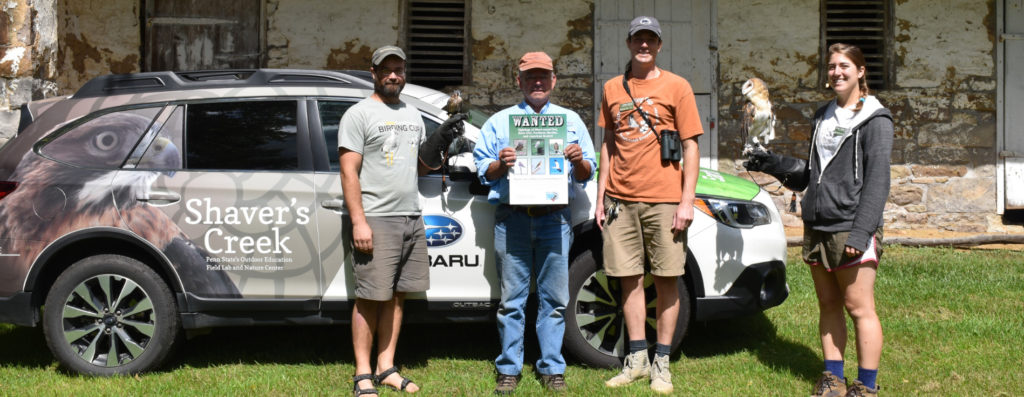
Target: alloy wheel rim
[
  {"x": 108, "y": 320},
  {"x": 598, "y": 311}
]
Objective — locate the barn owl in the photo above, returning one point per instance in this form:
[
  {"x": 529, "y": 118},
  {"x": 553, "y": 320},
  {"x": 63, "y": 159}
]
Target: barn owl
[{"x": 758, "y": 120}]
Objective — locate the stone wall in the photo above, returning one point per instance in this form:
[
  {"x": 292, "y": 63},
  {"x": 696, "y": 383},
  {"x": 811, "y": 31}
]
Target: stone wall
[
  {"x": 97, "y": 37},
  {"x": 325, "y": 34},
  {"x": 943, "y": 102},
  {"x": 103, "y": 36},
  {"x": 28, "y": 48},
  {"x": 943, "y": 173},
  {"x": 502, "y": 33}
]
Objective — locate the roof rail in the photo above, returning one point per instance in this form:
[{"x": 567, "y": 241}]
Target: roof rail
[{"x": 147, "y": 82}]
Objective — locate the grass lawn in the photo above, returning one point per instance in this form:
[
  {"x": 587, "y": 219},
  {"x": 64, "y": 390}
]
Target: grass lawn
[{"x": 953, "y": 322}]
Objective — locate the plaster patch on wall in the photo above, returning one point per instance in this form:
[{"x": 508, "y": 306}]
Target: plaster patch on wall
[
  {"x": 580, "y": 32},
  {"x": 484, "y": 48},
  {"x": 352, "y": 55},
  {"x": 12, "y": 60},
  {"x": 80, "y": 49},
  {"x": 128, "y": 64}
]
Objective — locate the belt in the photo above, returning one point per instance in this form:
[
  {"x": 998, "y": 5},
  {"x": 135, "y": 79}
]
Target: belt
[{"x": 537, "y": 210}]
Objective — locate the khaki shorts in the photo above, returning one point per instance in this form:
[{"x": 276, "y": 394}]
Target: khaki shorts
[
  {"x": 635, "y": 231},
  {"x": 399, "y": 260},
  {"x": 829, "y": 249}
]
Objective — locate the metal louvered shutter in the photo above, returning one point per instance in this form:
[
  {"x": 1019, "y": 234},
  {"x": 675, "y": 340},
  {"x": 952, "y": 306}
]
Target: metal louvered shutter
[
  {"x": 866, "y": 24},
  {"x": 437, "y": 42}
]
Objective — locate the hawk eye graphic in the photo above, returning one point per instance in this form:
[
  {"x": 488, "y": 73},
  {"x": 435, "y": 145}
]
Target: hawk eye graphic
[
  {"x": 105, "y": 140},
  {"x": 441, "y": 230}
]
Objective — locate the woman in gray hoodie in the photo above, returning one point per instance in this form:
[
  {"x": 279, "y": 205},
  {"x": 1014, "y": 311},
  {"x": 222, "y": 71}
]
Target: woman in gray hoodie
[{"x": 846, "y": 183}]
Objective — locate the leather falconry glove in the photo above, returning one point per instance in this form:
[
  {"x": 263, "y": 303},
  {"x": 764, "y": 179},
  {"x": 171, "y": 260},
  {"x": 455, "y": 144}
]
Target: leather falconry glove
[{"x": 433, "y": 149}]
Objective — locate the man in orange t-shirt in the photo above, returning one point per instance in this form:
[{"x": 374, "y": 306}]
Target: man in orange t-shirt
[{"x": 646, "y": 202}]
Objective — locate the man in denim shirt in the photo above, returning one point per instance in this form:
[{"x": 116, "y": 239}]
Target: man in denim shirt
[{"x": 532, "y": 240}]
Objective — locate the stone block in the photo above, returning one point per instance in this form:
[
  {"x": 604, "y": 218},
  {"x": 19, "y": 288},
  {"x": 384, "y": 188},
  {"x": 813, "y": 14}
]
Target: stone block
[
  {"x": 929, "y": 180},
  {"x": 915, "y": 208},
  {"x": 938, "y": 170},
  {"x": 574, "y": 64},
  {"x": 791, "y": 220},
  {"x": 977, "y": 83},
  {"x": 936, "y": 155},
  {"x": 981, "y": 102},
  {"x": 17, "y": 92},
  {"x": 997, "y": 225},
  {"x": 964, "y": 223},
  {"x": 897, "y": 172},
  {"x": 964, "y": 130},
  {"x": 8, "y": 124},
  {"x": 905, "y": 194},
  {"x": 911, "y": 219},
  {"x": 984, "y": 171},
  {"x": 962, "y": 195},
  {"x": 928, "y": 108}
]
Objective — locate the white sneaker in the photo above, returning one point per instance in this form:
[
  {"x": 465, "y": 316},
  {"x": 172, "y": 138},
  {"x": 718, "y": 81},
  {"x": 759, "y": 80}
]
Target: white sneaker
[
  {"x": 661, "y": 378},
  {"x": 635, "y": 366}
]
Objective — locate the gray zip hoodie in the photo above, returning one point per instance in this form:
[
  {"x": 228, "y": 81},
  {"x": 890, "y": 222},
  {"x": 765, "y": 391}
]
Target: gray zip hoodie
[{"x": 848, "y": 192}]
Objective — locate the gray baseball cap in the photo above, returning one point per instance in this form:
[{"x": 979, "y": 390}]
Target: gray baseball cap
[
  {"x": 386, "y": 51},
  {"x": 644, "y": 23}
]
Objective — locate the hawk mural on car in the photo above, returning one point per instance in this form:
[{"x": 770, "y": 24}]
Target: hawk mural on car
[{"x": 75, "y": 182}]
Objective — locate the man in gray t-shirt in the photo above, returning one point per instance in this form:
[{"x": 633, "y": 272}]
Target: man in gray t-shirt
[
  {"x": 388, "y": 137},
  {"x": 382, "y": 146}
]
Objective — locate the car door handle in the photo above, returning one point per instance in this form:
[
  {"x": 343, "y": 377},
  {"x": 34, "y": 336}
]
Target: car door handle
[
  {"x": 333, "y": 204},
  {"x": 160, "y": 198}
]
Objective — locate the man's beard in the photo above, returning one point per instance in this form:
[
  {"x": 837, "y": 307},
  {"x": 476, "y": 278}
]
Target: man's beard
[{"x": 388, "y": 91}]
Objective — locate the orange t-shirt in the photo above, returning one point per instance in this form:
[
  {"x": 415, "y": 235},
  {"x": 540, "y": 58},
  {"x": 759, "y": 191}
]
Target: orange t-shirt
[{"x": 634, "y": 166}]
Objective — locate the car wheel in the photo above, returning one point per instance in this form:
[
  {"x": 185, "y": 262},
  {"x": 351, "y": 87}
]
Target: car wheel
[
  {"x": 110, "y": 315},
  {"x": 594, "y": 330}
]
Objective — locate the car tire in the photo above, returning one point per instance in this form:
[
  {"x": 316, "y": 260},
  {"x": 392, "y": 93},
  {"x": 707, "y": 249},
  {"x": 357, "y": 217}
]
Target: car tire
[
  {"x": 594, "y": 329},
  {"x": 110, "y": 315}
]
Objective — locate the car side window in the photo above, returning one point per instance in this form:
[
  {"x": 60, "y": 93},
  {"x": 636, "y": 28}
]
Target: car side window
[
  {"x": 330, "y": 118},
  {"x": 164, "y": 150},
  {"x": 103, "y": 142},
  {"x": 253, "y": 135}
]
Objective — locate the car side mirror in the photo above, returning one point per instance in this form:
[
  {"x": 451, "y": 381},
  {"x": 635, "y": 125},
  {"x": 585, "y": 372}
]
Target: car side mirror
[{"x": 461, "y": 167}]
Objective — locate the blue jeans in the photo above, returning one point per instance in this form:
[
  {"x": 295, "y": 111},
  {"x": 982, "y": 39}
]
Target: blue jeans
[{"x": 532, "y": 246}]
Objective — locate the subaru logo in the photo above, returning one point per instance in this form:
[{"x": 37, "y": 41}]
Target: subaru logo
[{"x": 441, "y": 230}]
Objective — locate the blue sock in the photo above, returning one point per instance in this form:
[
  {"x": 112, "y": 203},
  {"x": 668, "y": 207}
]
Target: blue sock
[
  {"x": 637, "y": 345},
  {"x": 662, "y": 350},
  {"x": 867, "y": 377},
  {"x": 835, "y": 367}
]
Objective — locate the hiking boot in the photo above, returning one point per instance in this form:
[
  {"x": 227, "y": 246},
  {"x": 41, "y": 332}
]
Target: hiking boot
[
  {"x": 555, "y": 383},
  {"x": 829, "y": 385},
  {"x": 859, "y": 390},
  {"x": 506, "y": 384},
  {"x": 635, "y": 366},
  {"x": 661, "y": 378}
]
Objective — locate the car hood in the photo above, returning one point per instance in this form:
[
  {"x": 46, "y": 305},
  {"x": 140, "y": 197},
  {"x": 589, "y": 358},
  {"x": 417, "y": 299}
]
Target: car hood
[{"x": 714, "y": 183}]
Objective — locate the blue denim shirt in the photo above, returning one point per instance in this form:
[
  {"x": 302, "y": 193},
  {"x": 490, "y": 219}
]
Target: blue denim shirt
[{"x": 494, "y": 137}]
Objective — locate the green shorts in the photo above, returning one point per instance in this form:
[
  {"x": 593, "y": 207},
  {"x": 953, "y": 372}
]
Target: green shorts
[
  {"x": 829, "y": 249},
  {"x": 635, "y": 231},
  {"x": 398, "y": 262}
]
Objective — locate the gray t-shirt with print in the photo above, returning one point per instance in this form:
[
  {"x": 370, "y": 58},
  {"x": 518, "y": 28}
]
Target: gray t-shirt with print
[{"x": 388, "y": 137}]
